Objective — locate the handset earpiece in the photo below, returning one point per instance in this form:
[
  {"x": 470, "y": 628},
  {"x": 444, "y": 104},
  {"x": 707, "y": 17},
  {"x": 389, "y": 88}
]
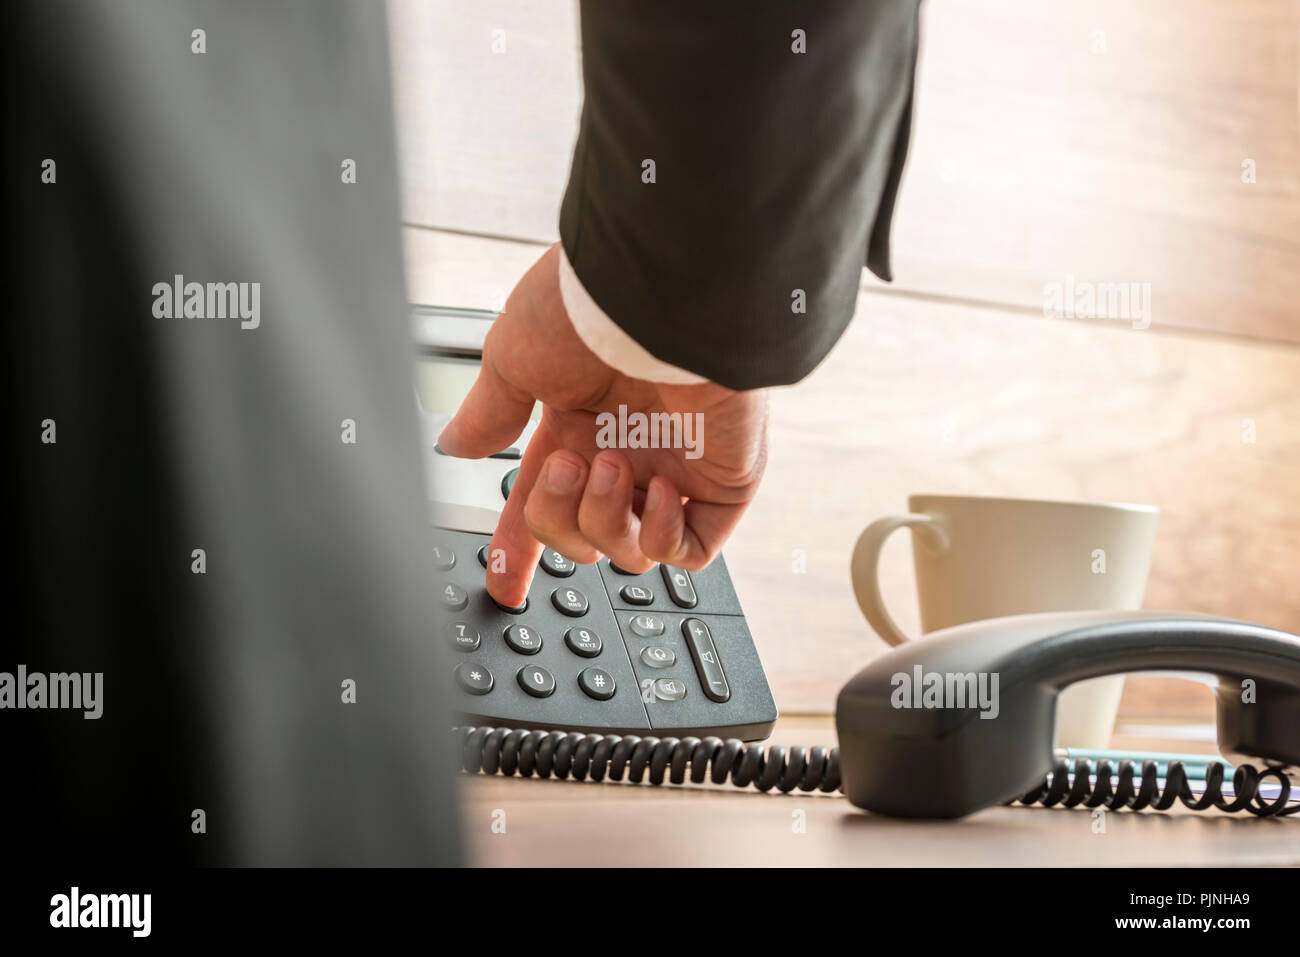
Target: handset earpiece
[{"x": 965, "y": 718}]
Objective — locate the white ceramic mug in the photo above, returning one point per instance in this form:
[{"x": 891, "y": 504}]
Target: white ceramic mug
[{"x": 979, "y": 557}]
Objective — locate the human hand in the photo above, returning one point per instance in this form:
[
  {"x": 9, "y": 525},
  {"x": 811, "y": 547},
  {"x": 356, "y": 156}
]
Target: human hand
[{"x": 636, "y": 505}]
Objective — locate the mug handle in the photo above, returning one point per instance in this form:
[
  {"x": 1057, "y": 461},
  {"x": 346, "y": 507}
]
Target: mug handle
[{"x": 864, "y": 567}]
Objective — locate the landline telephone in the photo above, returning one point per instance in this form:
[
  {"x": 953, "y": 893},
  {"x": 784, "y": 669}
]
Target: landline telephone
[{"x": 607, "y": 674}]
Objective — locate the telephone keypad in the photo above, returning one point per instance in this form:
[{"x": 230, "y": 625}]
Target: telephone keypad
[{"x": 623, "y": 665}]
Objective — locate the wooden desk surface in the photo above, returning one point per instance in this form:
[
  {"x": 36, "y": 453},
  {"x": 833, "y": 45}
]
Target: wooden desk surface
[{"x": 560, "y": 823}]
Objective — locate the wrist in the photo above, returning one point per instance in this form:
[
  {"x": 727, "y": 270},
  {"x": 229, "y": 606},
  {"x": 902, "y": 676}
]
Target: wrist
[{"x": 608, "y": 342}]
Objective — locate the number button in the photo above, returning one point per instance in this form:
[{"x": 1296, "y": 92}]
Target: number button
[
  {"x": 464, "y": 636},
  {"x": 508, "y": 482},
  {"x": 657, "y": 656},
  {"x": 584, "y": 642},
  {"x": 483, "y": 553},
  {"x": 570, "y": 601},
  {"x": 670, "y": 689},
  {"x": 556, "y": 564},
  {"x": 473, "y": 677},
  {"x": 518, "y": 610},
  {"x": 523, "y": 639},
  {"x": 443, "y": 558},
  {"x": 536, "y": 680},
  {"x": 637, "y": 594},
  {"x": 597, "y": 684},
  {"x": 454, "y": 597}
]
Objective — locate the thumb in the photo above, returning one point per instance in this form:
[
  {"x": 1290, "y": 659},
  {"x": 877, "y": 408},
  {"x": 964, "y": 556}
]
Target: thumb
[{"x": 490, "y": 418}]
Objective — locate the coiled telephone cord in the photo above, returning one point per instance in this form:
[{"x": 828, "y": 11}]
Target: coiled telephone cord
[{"x": 595, "y": 757}]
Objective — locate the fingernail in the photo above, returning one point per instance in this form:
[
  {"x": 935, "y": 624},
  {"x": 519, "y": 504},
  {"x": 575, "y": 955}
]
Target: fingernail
[
  {"x": 653, "y": 497},
  {"x": 603, "y": 478},
  {"x": 561, "y": 476}
]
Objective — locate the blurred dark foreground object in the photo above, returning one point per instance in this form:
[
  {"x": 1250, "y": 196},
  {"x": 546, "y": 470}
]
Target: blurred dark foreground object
[{"x": 221, "y": 157}]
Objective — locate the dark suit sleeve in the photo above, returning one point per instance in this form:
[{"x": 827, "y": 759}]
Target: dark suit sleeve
[{"x": 774, "y": 178}]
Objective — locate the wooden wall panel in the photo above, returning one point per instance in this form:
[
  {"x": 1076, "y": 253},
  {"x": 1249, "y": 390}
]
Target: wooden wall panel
[
  {"x": 485, "y": 137},
  {"x": 1034, "y": 157}
]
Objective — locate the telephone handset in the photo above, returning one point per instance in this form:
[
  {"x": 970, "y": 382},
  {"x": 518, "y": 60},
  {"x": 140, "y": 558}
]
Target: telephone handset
[
  {"x": 947, "y": 762},
  {"x": 655, "y": 677}
]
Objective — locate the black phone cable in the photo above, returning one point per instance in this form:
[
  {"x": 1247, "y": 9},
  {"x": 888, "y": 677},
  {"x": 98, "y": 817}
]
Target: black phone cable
[{"x": 582, "y": 756}]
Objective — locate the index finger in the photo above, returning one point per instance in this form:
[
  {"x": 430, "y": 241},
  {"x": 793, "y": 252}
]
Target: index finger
[{"x": 513, "y": 554}]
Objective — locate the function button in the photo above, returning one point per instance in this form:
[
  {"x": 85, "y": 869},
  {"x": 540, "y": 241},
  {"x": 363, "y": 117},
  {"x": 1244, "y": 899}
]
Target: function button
[
  {"x": 510, "y": 453},
  {"x": 657, "y": 656},
  {"x": 453, "y": 596},
  {"x": 536, "y": 680},
  {"x": 473, "y": 677},
  {"x": 705, "y": 655},
  {"x": 523, "y": 639},
  {"x": 680, "y": 588},
  {"x": 670, "y": 689},
  {"x": 570, "y": 601},
  {"x": 636, "y": 594},
  {"x": 556, "y": 564},
  {"x": 508, "y": 482},
  {"x": 518, "y": 610},
  {"x": 619, "y": 571},
  {"x": 583, "y": 641},
  {"x": 464, "y": 636},
  {"x": 647, "y": 626},
  {"x": 597, "y": 684},
  {"x": 443, "y": 558}
]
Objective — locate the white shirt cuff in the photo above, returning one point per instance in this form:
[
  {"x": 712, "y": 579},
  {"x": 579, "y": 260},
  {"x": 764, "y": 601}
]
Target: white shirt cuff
[{"x": 611, "y": 344}]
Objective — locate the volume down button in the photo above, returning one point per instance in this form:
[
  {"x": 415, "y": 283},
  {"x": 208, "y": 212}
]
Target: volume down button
[{"x": 700, "y": 641}]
